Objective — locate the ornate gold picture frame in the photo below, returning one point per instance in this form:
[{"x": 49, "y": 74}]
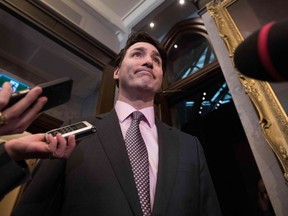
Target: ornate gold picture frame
[{"x": 273, "y": 119}]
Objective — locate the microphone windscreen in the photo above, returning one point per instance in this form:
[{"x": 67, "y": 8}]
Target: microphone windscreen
[{"x": 262, "y": 55}]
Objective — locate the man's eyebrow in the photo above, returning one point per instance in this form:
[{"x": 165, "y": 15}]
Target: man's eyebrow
[
  {"x": 143, "y": 49},
  {"x": 156, "y": 53},
  {"x": 138, "y": 49}
]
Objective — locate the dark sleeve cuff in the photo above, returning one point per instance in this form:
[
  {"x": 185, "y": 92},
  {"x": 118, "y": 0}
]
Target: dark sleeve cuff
[{"x": 12, "y": 173}]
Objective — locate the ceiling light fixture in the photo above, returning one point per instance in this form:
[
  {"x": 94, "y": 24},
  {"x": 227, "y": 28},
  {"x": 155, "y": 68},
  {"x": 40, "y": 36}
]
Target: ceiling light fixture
[
  {"x": 152, "y": 25},
  {"x": 181, "y": 2}
]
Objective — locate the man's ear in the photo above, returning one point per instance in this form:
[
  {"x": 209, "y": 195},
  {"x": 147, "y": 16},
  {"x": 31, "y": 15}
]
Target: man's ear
[{"x": 116, "y": 73}]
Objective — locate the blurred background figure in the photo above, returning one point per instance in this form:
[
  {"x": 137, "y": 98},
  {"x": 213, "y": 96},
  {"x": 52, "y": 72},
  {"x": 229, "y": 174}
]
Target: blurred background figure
[{"x": 264, "y": 204}]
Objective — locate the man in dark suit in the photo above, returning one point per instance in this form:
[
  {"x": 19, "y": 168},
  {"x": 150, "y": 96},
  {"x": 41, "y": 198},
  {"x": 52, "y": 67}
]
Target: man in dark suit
[{"x": 98, "y": 178}]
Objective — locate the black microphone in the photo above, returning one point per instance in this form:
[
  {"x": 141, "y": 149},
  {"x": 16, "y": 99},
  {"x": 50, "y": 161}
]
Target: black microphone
[{"x": 263, "y": 54}]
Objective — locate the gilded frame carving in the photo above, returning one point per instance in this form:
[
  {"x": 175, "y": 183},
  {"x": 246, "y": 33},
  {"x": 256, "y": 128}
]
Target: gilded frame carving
[{"x": 273, "y": 119}]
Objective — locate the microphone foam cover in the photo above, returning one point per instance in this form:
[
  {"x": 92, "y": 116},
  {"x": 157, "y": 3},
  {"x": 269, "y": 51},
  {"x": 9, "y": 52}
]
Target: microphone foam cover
[{"x": 262, "y": 55}]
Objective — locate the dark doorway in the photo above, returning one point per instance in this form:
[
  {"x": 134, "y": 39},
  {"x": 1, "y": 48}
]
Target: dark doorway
[{"x": 207, "y": 111}]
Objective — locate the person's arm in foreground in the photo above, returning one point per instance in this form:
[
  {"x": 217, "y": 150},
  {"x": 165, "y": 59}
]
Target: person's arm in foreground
[
  {"x": 14, "y": 170},
  {"x": 16, "y": 119}
]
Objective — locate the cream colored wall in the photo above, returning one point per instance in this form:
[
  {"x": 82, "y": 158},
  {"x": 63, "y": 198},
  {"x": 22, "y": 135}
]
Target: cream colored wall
[{"x": 7, "y": 203}]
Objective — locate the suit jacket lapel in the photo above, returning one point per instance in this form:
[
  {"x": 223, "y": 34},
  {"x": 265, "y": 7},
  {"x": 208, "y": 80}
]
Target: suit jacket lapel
[
  {"x": 110, "y": 134},
  {"x": 167, "y": 167}
]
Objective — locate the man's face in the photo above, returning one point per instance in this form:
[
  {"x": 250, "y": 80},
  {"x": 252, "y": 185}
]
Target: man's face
[{"x": 140, "y": 70}]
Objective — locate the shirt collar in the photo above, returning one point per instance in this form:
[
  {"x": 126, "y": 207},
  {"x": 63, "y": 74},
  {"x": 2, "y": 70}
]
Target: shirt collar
[{"x": 123, "y": 111}]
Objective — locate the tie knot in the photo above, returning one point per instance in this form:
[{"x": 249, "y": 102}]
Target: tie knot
[{"x": 137, "y": 115}]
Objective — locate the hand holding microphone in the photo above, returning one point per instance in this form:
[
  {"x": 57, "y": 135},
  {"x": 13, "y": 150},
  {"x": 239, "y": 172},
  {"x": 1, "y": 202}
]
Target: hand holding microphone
[{"x": 263, "y": 55}]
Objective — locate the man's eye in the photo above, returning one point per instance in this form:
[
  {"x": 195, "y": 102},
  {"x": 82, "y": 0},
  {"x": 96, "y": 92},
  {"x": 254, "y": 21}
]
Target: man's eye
[
  {"x": 136, "y": 54},
  {"x": 157, "y": 61}
]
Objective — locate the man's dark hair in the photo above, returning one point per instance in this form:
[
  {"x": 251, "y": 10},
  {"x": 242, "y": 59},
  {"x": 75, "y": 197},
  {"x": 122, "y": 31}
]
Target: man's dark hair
[{"x": 142, "y": 37}]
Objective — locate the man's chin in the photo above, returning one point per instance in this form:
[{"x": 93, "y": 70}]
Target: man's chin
[{"x": 145, "y": 88}]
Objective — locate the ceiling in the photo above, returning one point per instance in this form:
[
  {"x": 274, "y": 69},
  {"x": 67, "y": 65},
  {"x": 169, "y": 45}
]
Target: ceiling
[
  {"x": 105, "y": 19},
  {"x": 39, "y": 59}
]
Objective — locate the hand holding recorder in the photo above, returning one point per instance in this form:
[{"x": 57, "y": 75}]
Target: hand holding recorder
[
  {"x": 19, "y": 109},
  {"x": 40, "y": 146},
  {"x": 18, "y": 117},
  {"x": 80, "y": 130}
]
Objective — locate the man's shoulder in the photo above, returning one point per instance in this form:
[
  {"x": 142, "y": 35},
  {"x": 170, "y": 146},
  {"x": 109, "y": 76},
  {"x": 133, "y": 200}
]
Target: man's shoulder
[
  {"x": 90, "y": 119},
  {"x": 175, "y": 131},
  {"x": 159, "y": 123}
]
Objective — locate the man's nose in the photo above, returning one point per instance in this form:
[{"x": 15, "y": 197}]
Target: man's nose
[{"x": 148, "y": 62}]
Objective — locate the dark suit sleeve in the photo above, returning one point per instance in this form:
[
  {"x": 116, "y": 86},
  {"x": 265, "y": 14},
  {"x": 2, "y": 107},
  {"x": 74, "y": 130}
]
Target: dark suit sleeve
[
  {"x": 12, "y": 173},
  {"x": 44, "y": 194},
  {"x": 209, "y": 204}
]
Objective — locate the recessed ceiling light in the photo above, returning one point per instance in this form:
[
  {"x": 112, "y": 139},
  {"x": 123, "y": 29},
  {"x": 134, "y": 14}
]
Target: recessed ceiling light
[
  {"x": 181, "y": 2},
  {"x": 152, "y": 24}
]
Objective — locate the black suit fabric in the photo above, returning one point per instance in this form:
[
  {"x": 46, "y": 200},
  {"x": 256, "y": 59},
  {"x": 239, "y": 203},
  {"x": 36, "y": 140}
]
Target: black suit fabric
[
  {"x": 97, "y": 178},
  {"x": 12, "y": 173}
]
